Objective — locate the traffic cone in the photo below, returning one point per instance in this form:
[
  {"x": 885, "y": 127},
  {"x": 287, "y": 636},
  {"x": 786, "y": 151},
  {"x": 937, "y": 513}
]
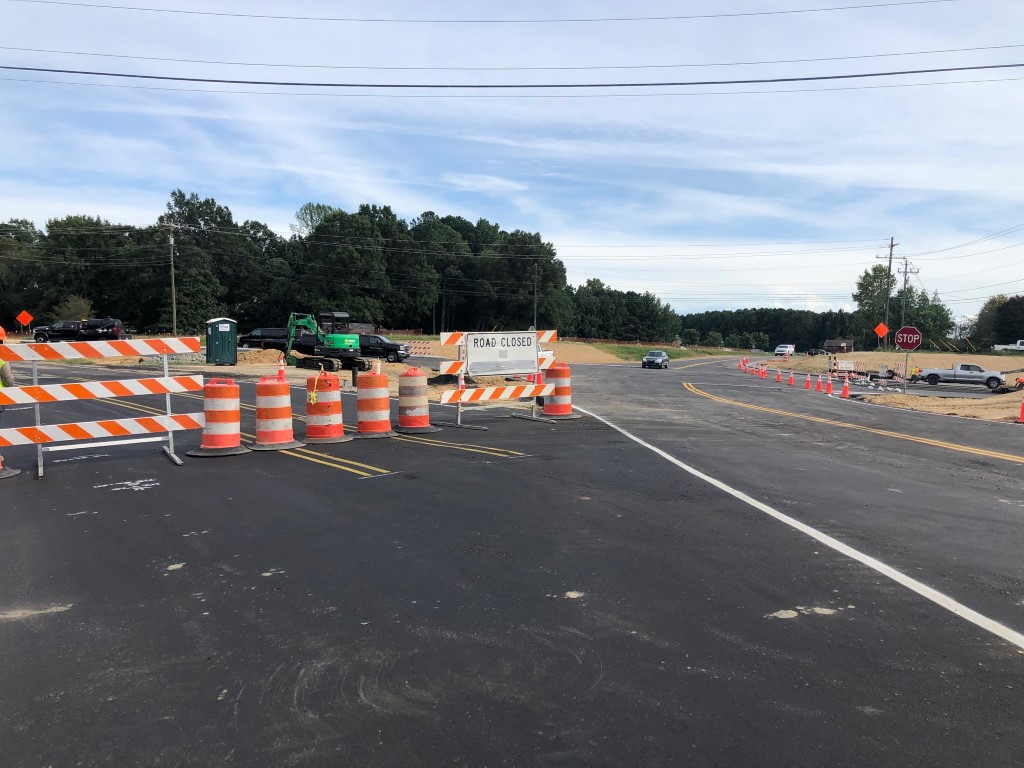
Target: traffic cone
[
  {"x": 8, "y": 472},
  {"x": 828, "y": 386},
  {"x": 808, "y": 384},
  {"x": 764, "y": 372},
  {"x": 739, "y": 365},
  {"x": 280, "y": 369},
  {"x": 1021, "y": 412},
  {"x": 818, "y": 387},
  {"x": 790, "y": 379},
  {"x": 845, "y": 394},
  {"x": 778, "y": 376}
]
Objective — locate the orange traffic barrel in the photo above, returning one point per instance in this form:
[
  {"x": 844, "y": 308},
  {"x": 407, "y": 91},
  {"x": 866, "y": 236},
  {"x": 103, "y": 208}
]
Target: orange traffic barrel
[
  {"x": 274, "y": 416},
  {"x": 323, "y": 410},
  {"x": 413, "y": 405},
  {"x": 6, "y": 471},
  {"x": 558, "y": 405},
  {"x": 222, "y": 435},
  {"x": 373, "y": 406}
]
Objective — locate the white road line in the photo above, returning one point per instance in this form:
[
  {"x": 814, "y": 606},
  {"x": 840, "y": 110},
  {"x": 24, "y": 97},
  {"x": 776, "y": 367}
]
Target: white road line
[{"x": 943, "y": 601}]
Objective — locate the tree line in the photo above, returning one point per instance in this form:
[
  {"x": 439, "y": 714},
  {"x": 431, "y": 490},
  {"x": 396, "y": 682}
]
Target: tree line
[{"x": 433, "y": 273}]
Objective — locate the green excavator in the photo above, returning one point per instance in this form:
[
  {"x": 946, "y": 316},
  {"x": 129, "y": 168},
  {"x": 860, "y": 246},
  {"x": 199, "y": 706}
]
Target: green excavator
[{"x": 323, "y": 340}]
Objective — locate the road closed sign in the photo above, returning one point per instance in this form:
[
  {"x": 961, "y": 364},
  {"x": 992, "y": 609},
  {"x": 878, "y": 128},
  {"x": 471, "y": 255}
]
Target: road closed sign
[
  {"x": 490, "y": 354},
  {"x": 908, "y": 338}
]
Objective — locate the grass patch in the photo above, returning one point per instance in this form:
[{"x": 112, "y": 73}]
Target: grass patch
[{"x": 637, "y": 351}]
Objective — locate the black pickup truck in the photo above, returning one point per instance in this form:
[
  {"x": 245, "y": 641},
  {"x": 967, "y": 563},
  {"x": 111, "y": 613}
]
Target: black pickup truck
[
  {"x": 96, "y": 329},
  {"x": 63, "y": 330},
  {"x": 372, "y": 345}
]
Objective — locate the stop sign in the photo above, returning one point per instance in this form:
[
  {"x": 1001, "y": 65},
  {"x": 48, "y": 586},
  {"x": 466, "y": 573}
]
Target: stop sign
[{"x": 908, "y": 338}]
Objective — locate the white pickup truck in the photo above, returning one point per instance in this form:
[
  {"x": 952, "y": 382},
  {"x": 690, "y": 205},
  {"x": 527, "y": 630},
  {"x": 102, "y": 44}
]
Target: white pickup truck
[
  {"x": 1018, "y": 347},
  {"x": 961, "y": 373}
]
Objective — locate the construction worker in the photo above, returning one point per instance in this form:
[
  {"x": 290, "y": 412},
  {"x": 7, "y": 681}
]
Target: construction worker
[{"x": 6, "y": 377}]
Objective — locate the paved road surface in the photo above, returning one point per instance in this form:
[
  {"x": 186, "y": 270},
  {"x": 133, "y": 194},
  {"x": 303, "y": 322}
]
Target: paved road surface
[{"x": 531, "y": 595}]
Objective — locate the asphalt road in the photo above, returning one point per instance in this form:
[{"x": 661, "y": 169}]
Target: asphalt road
[{"x": 536, "y": 594}]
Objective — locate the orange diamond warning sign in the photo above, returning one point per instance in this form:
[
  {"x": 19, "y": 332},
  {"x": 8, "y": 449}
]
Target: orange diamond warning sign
[
  {"x": 881, "y": 329},
  {"x": 24, "y": 317}
]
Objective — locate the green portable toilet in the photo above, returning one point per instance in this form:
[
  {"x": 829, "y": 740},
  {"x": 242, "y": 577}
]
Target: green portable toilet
[{"x": 221, "y": 341}]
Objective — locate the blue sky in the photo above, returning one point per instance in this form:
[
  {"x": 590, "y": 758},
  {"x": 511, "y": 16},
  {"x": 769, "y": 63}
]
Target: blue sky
[{"x": 708, "y": 196}]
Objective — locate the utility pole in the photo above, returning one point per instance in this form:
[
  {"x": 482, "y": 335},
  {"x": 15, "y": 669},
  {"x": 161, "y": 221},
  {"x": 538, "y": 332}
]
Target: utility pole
[
  {"x": 535, "y": 294},
  {"x": 174, "y": 295},
  {"x": 908, "y": 270},
  {"x": 888, "y": 287}
]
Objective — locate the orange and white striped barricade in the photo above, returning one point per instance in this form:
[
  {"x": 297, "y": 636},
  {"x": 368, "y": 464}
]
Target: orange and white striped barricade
[
  {"x": 419, "y": 348},
  {"x": 373, "y": 406},
  {"x": 222, "y": 435},
  {"x": 274, "y": 416},
  {"x": 495, "y": 394},
  {"x": 413, "y": 404},
  {"x": 558, "y": 405},
  {"x": 323, "y": 410},
  {"x": 158, "y": 428}
]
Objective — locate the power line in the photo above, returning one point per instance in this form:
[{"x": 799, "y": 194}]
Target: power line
[
  {"x": 577, "y": 95},
  {"x": 589, "y": 20},
  {"x": 511, "y": 86},
  {"x": 1007, "y": 231},
  {"x": 588, "y": 68}
]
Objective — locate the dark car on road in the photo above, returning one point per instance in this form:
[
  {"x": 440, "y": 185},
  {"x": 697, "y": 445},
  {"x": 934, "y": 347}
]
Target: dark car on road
[
  {"x": 264, "y": 338},
  {"x": 655, "y": 359},
  {"x": 372, "y": 345},
  {"x": 96, "y": 329},
  {"x": 815, "y": 352},
  {"x": 62, "y": 330}
]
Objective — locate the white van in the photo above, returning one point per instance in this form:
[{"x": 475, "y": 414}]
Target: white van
[{"x": 785, "y": 349}]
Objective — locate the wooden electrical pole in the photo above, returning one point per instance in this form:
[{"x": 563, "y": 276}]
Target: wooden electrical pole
[
  {"x": 888, "y": 287},
  {"x": 174, "y": 295}
]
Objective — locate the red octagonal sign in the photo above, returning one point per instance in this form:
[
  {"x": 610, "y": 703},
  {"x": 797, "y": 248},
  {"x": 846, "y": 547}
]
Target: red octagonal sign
[{"x": 908, "y": 338}]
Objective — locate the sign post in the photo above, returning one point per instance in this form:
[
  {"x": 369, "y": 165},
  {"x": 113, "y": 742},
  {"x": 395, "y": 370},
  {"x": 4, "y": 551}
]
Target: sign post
[{"x": 908, "y": 338}]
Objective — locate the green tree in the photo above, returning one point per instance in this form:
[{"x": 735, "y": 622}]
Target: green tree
[
  {"x": 984, "y": 330},
  {"x": 201, "y": 228},
  {"x": 74, "y": 308},
  {"x": 874, "y": 291},
  {"x": 713, "y": 339},
  {"x": 1008, "y": 323},
  {"x": 310, "y": 216},
  {"x": 446, "y": 253},
  {"x": 690, "y": 336}
]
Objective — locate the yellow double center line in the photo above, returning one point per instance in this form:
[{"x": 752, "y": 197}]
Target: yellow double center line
[{"x": 846, "y": 425}]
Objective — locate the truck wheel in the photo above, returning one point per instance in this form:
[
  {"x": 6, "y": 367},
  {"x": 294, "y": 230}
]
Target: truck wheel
[
  {"x": 41, "y": 338},
  {"x": 364, "y": 365},
  {"x": 392, "y": 357},
  {"x": 244, "y": 345},
  {"x": 993, "y": 383},
  {"x": 933, "y": 379}
]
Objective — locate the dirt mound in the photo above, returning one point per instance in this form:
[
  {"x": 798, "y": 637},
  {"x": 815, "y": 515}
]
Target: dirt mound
[{"x": 258, "y": 356}]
